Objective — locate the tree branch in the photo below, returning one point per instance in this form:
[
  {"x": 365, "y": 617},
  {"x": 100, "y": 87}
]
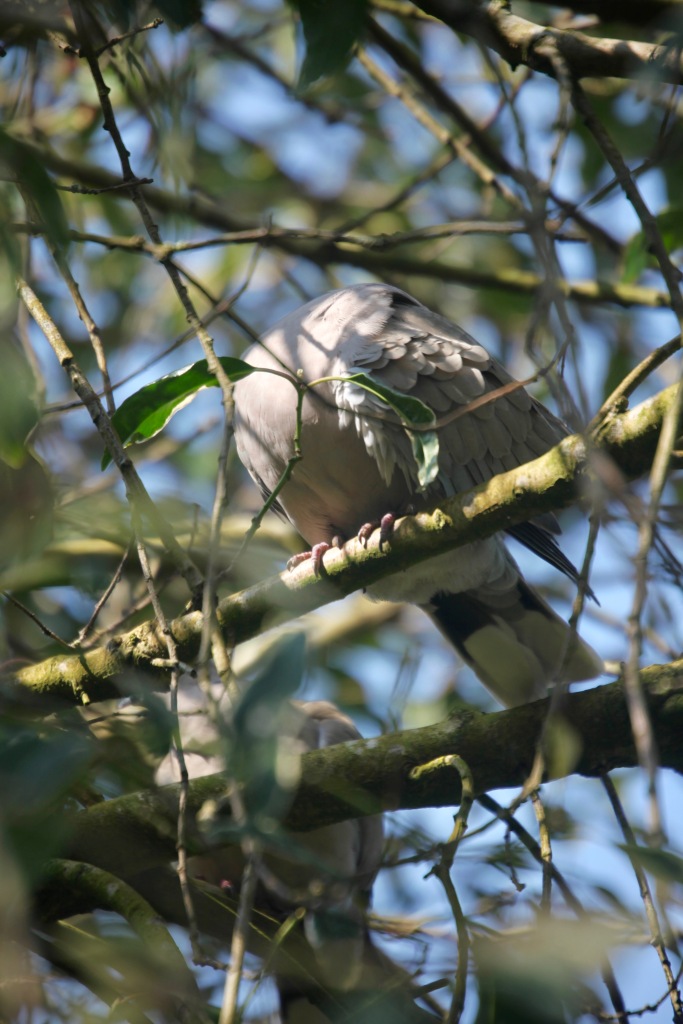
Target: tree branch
[
  {"x": 549, "y": 483},
  {"x": 519, "y": 41},
  {"x": 660, "y": 13},
  {"x": 352, "y": 779},
  {"x": 326, "y": 253}
]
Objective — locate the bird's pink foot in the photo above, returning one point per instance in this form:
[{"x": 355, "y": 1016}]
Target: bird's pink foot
[
  {"x": 316, "y": 553},
  {"x": 386, "y": 528}
]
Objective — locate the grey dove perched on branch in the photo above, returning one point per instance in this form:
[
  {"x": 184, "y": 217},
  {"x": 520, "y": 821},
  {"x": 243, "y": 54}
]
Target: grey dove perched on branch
[
  {"x": 327, "y": 871},
  {"x": 358, "y": 468}
]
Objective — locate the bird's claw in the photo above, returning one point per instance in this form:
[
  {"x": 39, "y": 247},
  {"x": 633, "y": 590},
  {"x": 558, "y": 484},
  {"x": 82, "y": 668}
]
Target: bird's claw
[
  {"x": 386, "y": 528},
  {"x": 365, "y": 532},
  {"x": 316, "y": 554}
]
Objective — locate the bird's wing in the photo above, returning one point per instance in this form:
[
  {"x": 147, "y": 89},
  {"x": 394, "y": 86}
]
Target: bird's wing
[{"x": 421, "y": 354}]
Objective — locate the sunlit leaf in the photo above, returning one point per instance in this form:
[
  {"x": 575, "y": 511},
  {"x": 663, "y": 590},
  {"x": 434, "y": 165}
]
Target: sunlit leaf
[
  {"x": 147, "y": 412},
  {"x": 426, "y": 453},
  {"x": 414, "y": 413}
]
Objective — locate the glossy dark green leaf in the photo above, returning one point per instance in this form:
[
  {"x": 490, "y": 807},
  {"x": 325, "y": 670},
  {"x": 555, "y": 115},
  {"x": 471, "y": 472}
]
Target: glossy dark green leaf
[
  {"x": 331, "y": 30},
  {"x": 145, "y": 413}
]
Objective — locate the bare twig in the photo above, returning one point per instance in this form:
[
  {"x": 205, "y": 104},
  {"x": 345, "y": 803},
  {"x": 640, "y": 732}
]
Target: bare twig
[
  {"x": 135, "y": 489},
  {"x": 657, "y": 939},
  {"x": 442, "y": 870},
  {"x": 546, "y": 851},
  {"x": 238, "y": 947},
  {"x": 90, "y": 55},
  {"x": 82, "y": 633},
  {"x": 634, "y": 379},
  {"x": 84, "y": 190},
  {"x": 176, "y": 669},
  {"x": 34, "y": 618},
  {"x": 642, "y": 728},
  {"x": 570, "y": 898},
  {"x": 128, "y": 35}
]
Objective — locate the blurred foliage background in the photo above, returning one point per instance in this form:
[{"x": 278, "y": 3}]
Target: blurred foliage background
[{"x": 285, "y": 150}]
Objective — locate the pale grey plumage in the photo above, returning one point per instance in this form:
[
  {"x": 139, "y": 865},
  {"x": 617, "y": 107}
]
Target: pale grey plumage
[{"x": 358, "y": 464}]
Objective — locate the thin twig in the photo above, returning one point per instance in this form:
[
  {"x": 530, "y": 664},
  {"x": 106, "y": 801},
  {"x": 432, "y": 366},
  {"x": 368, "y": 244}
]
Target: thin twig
[
  {"x": 442, "y": 870},
  {"x": 84, "y": 190},
  {"x": 572, "y": 901},
  {"x": 181, "y": 845},
  {"x": 238, "y": 947},
  {"x": 34, "y": 618},
  {"x": 128, "y": 35},
  {"x": 546, "y": 851},
  {"x": 110, "y": 125},
  {"x": 135, "y": 489},
  {"x": 82, "y": 634},
  {"x": 634, "y": 379},
  {"x": 642, "y": 726},
  {"x": 657, "y": 939}
]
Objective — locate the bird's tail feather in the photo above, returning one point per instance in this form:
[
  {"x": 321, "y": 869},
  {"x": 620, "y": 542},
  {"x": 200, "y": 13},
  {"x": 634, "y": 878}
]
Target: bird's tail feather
[{"x": 513, "y": 640}]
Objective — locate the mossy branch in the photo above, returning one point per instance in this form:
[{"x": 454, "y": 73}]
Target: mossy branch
[
  {"x": 66, "y": 881},
  {"x": 552, "y": 482},
  {"x": 540, "y": 47},
  {"x": 352, "y": 779}
]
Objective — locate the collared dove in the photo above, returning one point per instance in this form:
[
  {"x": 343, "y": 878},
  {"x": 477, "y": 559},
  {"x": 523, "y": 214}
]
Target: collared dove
[
  {"x": 328, "y": 871},
  {"x": 358, "y": 466}
]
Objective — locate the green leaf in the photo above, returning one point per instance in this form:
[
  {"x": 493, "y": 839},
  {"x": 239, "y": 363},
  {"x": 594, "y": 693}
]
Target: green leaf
[
  {"x": 411, "y": 410},
  {"x": 660, "y": 863},
  {"x": 145, "y": 413},
  {"x": 413, "y": 413},
  {"x": 637, "y": 253},
  {"x": 635, "y": 258},
  {"x": 331, "y": 30},
  {"x": 279, "y": 676},
  {"x": 426, "y": 454},
  {"x": 18, "y": 410},
  {"x": 22, "y": 164},
  {"x": 180, "y": 13},
  {"x": 8, "y": 240},
  {"x": 264, "y": 757}
]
